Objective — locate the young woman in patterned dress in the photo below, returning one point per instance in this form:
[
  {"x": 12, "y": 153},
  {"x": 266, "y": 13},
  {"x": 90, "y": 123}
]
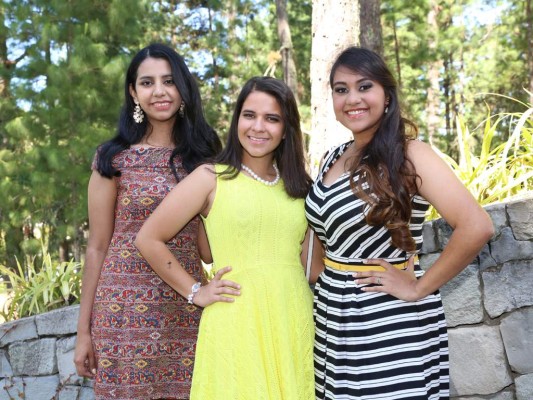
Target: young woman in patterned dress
[
  {"x": 380, "y": 327},
  {"x": 258, "y": 345},
  {"x": 136, "y": 335}
]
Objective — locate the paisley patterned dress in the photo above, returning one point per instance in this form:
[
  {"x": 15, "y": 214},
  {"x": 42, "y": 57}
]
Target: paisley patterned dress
[{"x": 144, "y": 333}]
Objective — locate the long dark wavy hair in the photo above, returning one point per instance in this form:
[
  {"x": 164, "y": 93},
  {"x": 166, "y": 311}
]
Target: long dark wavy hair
[
  {"x": 383, "y": 162},
  {"x": 195, "y": 140},
  {"x": 289, "y": 155}
]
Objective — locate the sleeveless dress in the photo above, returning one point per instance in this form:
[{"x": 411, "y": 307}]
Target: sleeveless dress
[
  {"x": 143, "y": 332},
  {"x": 261, "y": 346},
  {"x": 370, "y": 345}
]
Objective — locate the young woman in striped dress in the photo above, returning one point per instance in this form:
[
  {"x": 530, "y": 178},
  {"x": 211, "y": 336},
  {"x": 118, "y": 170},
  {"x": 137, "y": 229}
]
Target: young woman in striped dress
[{"x": 380, "y": 327}]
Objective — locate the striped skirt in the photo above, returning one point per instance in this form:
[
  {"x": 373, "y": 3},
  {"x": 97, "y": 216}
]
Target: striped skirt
[{"x": 371, "y": 345}]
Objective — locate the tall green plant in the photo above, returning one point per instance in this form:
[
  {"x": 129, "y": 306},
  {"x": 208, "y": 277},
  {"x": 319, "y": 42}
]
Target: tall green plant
[
  {"x": 33, "y": 289},
  {"x": 496, "y": 173}
]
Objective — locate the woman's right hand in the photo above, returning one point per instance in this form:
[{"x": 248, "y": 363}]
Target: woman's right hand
[
  {"x": 216, "y": 288},
  {"x": 84, "y": 358}
]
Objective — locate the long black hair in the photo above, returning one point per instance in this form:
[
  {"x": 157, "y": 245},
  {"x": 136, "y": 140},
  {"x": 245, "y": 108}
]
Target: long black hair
[
  {"x": 383, "y": 162},
  {"x": 289, "y": 155},
  {"x": 196, "y": 142}
]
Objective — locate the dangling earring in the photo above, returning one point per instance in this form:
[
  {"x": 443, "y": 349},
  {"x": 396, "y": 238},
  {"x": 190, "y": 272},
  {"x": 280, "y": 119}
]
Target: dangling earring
[
  {"x": 181, "y": 110},
  {"x": 386, "y": 109},
  {"x": 138, "y": 115}
]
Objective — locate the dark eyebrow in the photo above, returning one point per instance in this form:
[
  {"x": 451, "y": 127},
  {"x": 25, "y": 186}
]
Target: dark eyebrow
[
  {"x": 268, "y": 115},
  {"x": 357, "y": 81},
  {"x": 151, "y": 77}
]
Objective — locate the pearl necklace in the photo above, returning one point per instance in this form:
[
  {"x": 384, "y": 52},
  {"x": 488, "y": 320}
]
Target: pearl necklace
[{"x": 259, "y": 179}]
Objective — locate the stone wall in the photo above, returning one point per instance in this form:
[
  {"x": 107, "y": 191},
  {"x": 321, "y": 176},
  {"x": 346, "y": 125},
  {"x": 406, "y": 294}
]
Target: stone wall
[
  {"x": 36, "y": 358},
  {"x": 489, "y": 310}
]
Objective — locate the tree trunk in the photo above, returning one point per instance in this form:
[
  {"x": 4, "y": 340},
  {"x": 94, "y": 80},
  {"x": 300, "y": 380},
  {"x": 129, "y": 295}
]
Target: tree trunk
[
  {"x": 216, "y": 77},
  {"x": 335, "y": 26},
  {"x": 432, "y": 104},
  {"x": 230, "y": 14},
  {"x": 5, "y": 62},
  {"x": 397, "y": 52},
  {"x": 287, "y": 51},
  {"x": 529, "y": 47},
  {"x": 371, "y": 36},
  {"x": 447, "y": 92}
]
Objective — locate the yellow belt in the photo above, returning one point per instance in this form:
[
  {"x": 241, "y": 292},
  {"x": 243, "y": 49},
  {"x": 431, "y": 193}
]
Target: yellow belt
[{"x": 362, "y": 267}]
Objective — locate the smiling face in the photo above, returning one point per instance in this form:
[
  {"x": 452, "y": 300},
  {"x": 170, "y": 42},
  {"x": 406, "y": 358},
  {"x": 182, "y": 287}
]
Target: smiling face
[
  {"x": 155, "y": 91},
  {"x": 359, "y": 103},
  {"x": 260, "y": 127}
]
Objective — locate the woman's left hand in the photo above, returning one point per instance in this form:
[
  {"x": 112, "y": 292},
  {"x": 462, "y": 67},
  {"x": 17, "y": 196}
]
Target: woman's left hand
[
  {"x": 398, "y": 283},
  {"x": 215, "y": 290}
]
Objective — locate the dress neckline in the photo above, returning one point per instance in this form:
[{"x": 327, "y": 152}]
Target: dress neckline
[
  {"x": 328, "y": 163},
  {"x": 144, "y": 147}
]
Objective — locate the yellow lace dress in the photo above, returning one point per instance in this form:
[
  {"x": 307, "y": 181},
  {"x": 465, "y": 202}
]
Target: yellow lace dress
[{"x": 261, "y": 346}]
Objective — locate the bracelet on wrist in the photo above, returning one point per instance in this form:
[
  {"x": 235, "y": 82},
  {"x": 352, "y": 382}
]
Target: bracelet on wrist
[{"x": 194, "y": 289}]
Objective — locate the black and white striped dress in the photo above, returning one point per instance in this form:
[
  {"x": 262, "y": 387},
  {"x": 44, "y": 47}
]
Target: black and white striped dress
[{"x": 370, "y": 345}]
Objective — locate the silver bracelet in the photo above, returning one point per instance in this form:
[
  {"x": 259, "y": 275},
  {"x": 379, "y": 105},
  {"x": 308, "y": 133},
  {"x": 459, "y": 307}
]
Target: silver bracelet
[{"x": 194, "y": 289}]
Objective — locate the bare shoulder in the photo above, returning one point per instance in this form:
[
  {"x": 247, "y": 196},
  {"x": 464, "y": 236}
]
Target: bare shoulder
[
  {"x": 433, "y": 172},
  {"x": 425, "y": 158},
  {"x": 101, "y": 184},
  {"x": 207, "y": 168},
  {"x": 204, "y": 172},
  {"x": 201, "y": 181},
  {"x": 417, "y": 148}
]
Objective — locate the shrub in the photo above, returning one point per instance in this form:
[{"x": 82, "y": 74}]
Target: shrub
[
  {"x": 499, "y": 173},
  {"x": 32, "y": 290}
]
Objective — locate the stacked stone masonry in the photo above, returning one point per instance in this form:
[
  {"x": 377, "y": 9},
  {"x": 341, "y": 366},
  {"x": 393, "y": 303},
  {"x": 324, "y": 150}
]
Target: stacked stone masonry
[{"x": 489, "y": 311}]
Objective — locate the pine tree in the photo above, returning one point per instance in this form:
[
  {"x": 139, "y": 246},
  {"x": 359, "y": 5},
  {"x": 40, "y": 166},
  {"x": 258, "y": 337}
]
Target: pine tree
[{"x": 67, "y": 83}]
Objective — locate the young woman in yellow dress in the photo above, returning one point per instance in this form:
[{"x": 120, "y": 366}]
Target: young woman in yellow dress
[{"x": 256, "y": 337}]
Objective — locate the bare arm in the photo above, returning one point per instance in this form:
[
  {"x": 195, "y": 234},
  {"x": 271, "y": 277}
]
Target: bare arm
[
  {"x": 192, "y": 196},
  {"x": 317, "y": 257},
  {"x": 472, "y": 227},
  {"x": 101, "y": 206}
]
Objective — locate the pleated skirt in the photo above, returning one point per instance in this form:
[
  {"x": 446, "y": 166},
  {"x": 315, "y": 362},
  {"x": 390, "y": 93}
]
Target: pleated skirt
[{"x": 374, "y": 346}]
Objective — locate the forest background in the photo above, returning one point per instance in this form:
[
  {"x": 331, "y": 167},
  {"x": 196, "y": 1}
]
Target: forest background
[{"x": 465, "y": 68}]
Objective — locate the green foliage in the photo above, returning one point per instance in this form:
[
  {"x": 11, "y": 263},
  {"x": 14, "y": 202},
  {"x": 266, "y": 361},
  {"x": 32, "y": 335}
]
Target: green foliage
[
  {"x": 496, "y": 64},
  {"x": 300, "y": 22},
  {"x": 497, "y": 172},
  {"x": 32, "y": 289},
  {"x": 62, "y": 90},
  {"x": 62, "y": 97},
  {"x": 477, "y": 55},
  {"x": 61, "y": 76},
  {"x": 405, "y": 38},
  {"x": 63, "y": 65}
]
